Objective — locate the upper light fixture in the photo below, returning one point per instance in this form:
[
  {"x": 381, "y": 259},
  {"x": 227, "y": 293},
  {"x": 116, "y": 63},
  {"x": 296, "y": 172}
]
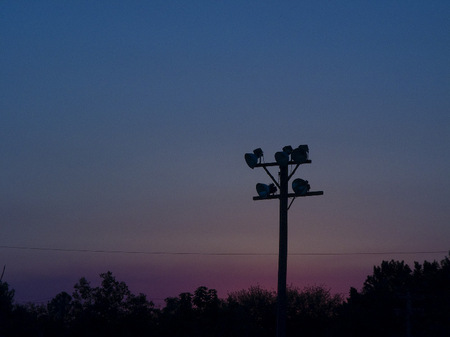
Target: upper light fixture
[
  {"x": 288, "y": 149},
  {"x": 300, "y": 155},
  {"x": 282, "y": 158},
  {"x": 252, "y": 159}
]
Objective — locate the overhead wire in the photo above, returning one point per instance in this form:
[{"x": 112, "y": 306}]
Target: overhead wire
[{"x": 105, "y": 251}]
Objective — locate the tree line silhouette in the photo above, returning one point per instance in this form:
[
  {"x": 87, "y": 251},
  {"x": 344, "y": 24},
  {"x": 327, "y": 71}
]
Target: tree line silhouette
[{"x": 395, "y": 300}]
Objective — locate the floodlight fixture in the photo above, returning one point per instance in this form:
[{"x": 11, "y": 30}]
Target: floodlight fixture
[
  {"x": 288, "y": 149},
  {"x": 264, "y": 190},
  {"x": 282, "y": 158},
  {"x": 300, "y": 186},
  {"x": 252, "y": 159},
  {"x": 258, "y": 152},
  {"x": 300, "y": 154}
]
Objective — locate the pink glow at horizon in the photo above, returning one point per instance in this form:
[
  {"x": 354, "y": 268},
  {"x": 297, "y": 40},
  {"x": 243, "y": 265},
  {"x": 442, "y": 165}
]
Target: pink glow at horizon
[{"x": 165, "y": 276}]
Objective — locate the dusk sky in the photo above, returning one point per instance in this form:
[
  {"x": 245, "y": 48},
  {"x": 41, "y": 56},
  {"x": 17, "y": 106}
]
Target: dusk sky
[{"x": 123, "y": 128}]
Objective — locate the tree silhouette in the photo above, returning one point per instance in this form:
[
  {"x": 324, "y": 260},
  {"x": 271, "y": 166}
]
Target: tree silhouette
[
  {"x": 312, "y": 310},
  {"x": 177, "y": 316},
  {"x": 253, "y": 311},
  {"x": 110, "y": 309},
  {"x": 6, "y": 307},
  {"x": 59, "y": 308},
  {"x": 397, "y": 301},
  {"x": 429, "y": 299},
  {"x": 198, "y": 314}
]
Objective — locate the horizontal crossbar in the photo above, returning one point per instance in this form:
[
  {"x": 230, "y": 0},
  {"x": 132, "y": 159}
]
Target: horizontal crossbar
[
  {"x": 290, "y": 195},
  {"x": 276, "y": 164}
]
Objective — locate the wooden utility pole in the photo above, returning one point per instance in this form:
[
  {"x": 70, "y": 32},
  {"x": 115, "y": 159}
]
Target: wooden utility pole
[
  {"x": 283, "y": 162},
  {"x": 282, "y": 254}
]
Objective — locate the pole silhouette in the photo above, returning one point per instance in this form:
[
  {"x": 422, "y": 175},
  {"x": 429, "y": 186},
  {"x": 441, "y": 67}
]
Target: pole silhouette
[
  {"x": 301, "y": 188},
  {"x": 282, "y": 254}
]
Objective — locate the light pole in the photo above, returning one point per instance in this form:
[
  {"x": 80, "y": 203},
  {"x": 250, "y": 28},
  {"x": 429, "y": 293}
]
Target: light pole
[{"x": 283, "y": 160}]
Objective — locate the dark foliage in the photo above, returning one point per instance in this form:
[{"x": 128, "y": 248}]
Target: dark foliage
[
  {"x": 252, "y": 312},
  {"x": 312, "y": 312},
  {"x": 399, "y": 301},
  {"x": 394, "y": 301},
  {"x": 6, "y": 307}
]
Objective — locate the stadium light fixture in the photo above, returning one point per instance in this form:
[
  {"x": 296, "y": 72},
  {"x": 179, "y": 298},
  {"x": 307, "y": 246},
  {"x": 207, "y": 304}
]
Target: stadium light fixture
[
  {"x": 253, "y": 159},
  {"x": 300, "y": 155},
  {"x": 264, "y": 190},
  {"x": 288, "y": 149},
  {"x": 282, "y": 158},
  {"x": 300, "y": 187}
]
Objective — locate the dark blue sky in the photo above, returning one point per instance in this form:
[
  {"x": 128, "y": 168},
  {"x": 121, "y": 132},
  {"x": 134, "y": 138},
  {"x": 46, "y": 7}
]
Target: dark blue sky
[{"x": 123, "y": 126}]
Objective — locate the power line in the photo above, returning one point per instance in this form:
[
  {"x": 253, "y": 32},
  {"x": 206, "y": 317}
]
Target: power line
[{"x": 104, "y": 251}]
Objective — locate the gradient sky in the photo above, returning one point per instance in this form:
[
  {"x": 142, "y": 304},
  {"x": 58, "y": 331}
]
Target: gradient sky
[{"x": 123, "y": 127}]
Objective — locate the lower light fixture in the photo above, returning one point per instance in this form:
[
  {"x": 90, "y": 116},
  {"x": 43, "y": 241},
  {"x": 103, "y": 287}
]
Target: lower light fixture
[
  {"x": 264, "y": 190},
  {"x": 300, "y": 186}
]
